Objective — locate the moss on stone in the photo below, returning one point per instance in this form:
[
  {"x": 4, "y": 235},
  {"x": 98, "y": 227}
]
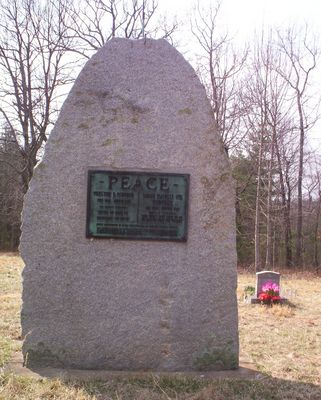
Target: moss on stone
[
  {"x": 39, "y": 355},
  {"x": 216, "y": 357},
  {"x": 41, "y": 166},
  {"x": 109, "y": 142},
  {"x": 83, "y": 125},
  {"x": 56, "y": 141},
  {"x": 205, "y": 181},
  {"x": 118, "y": 152},
  {"x": 186, "y": 110},
  {"x": 224, "y": 177},
  {"x": 164, "y": 324}
]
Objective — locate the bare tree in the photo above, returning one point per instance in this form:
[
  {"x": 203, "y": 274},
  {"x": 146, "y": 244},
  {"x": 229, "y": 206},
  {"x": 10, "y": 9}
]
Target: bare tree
[
  {"x": 316, "y": 231},
  {"x": 312, "y": 185},
  {"x": 257, "y": 101},
  {"x": 273, "y": 121},
  {"x": 301, "y": 55},
  {"x": 286, "y": 155},
  {"x": 268, "y": 121},
  {"x": 283, "y": 154},
  {"x": 93, "y": 22},
  {"x": 220, "y": 68},
  {"x": 33, "y": 44},
  {"x": 11, "y": 193},
  {"x": 37, "y": 41},
  {"x": 35, "y": 38}
]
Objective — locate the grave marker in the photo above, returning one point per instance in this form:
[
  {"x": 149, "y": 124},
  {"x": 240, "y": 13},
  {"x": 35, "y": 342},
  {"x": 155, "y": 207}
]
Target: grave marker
[
  {"x": 133, "y": 268},
  {"x": 264, "y": 277}
]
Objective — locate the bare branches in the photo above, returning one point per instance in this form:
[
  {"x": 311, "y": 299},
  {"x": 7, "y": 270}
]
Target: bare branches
[
  {"x": 93, "y": 22},
  {"x": 11, "y": 193},
  {"x": 35, "y": 37},
  {"x": 277, "y": 100},
  {"x": 33, "y": 42},
  {"x": 301, "y": 61},
  {"x": 219, "y": 69}
]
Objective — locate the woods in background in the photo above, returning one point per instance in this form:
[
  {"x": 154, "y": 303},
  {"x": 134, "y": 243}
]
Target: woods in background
[{"x": 263, "y": 97}]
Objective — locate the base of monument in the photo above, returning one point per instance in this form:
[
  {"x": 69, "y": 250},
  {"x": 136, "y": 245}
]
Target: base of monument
[{"x": 246, "y": 370}]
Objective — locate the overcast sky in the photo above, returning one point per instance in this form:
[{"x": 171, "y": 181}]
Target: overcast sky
[{"x": 242, "y": 16}]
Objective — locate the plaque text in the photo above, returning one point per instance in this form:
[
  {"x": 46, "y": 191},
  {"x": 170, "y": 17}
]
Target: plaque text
[{"x": 135, "y": 205}]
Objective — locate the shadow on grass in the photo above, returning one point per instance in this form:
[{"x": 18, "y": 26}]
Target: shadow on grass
[
  {"x": 290, "y": 304},
  {"x": 191, "y": 388}
]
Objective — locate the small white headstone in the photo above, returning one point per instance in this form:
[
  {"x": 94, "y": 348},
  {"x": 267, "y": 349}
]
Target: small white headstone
[{"x": 265, "y": 277}]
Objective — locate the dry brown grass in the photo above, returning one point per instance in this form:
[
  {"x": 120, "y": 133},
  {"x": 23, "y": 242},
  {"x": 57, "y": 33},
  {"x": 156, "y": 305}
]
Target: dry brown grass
[
  {"x": 283, "y": 341},
  {"x": 10, "y": 301}
]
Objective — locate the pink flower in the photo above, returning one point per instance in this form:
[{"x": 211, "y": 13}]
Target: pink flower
[{"x": 271, "y": 288}]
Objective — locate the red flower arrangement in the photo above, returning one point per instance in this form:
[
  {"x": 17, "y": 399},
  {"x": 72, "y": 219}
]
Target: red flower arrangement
[{"x": 270, "y": 293}]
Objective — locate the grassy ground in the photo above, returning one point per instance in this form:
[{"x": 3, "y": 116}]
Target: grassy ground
[
  {"x": 283, "y": 341},
  {"x": 10, "y": 300}
]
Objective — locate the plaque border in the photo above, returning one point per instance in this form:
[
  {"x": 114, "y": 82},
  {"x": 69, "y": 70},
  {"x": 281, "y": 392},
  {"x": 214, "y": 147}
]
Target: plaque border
[{"x": 89, "y": 235}]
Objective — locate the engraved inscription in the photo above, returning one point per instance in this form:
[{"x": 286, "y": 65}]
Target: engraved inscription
[{"x": 136, "y": 205}]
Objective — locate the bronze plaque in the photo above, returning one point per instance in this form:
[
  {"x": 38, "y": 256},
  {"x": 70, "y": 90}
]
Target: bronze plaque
[{"x": 137, "y": 205}]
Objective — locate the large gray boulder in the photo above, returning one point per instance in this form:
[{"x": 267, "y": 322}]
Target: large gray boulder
[{"x": 131, "y": 304}]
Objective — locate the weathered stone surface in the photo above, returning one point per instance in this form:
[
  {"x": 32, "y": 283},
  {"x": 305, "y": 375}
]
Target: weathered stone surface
[{"x": 130, "y": 304}]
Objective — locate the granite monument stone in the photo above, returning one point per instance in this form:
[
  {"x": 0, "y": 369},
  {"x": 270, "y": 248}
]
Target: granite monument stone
[{"x": 128, "y": 231}]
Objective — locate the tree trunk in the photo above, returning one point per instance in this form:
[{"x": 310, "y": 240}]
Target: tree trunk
[
  {"x": 287, "y": 222},
  {"x": 269, "y": 241},
  {"x": 286, "y": 208},
  {"x": 257, "y": 209},
  {"x": 316, "y": 238},
  {"x": 299, "y": 237}
]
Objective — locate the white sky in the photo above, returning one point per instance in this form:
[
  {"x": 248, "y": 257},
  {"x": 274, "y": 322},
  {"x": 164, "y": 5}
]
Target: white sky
[
  {"x": 240, "y": 18},
  {"x": 243, "y": 16}
]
